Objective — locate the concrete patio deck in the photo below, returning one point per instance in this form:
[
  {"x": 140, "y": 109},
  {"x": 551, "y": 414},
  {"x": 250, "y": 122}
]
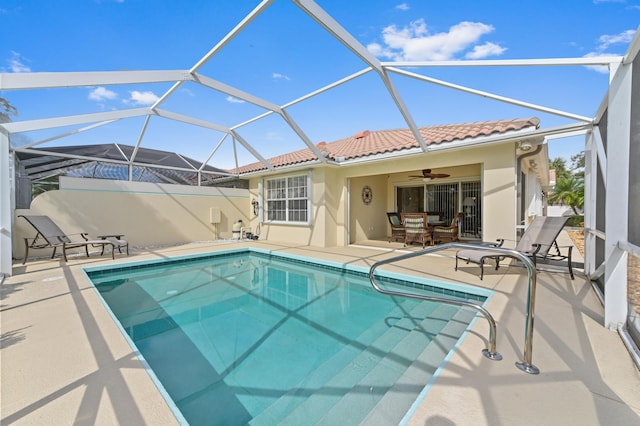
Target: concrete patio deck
[{"x": 64, "y": 360}]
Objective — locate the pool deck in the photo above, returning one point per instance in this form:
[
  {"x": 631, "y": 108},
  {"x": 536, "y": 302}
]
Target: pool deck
[{"x": 64, "y": 360}]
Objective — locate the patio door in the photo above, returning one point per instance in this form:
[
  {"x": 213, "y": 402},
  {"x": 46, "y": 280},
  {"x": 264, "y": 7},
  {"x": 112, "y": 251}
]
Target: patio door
[
  {"x": 472, "y": 209},
  {"x": 448, "y": 199},
  {"x": 410, "y": 199},
  {"x": 443, "y": 198},
  {"x": 452, "y": 197}
]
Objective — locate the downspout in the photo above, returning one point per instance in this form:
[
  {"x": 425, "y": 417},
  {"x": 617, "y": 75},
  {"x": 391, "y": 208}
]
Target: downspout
[{"x": 519, "y": 159}]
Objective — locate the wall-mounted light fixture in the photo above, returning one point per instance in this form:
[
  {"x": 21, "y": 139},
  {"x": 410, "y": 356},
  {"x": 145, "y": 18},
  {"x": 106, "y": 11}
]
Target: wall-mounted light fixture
[
  {"x": 256, "y": 206},
  {"x": 525, "y": 146}
]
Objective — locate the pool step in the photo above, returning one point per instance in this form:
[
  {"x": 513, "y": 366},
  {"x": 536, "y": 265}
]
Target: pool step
[
  {"x": 368, "y": 375},
  {"x": 378, "y": 338},
  {"x": 395, "y": 403},
  {"x": 396, "y": 398}
]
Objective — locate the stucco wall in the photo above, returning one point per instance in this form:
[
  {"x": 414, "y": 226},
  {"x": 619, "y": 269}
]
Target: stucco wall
[
  {"x": 148, "y": 214},
  {"x": 327, "y": 192},
  {"x": 337, "y": 200},
  {"x": 499, "y": 193},
  {"x": 368, "y": 221},
  {"x": 290, "y": 233}
]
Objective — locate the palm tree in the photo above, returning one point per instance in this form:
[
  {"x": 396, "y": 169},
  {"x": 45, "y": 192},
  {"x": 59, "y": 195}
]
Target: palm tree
[
  {"x": 569, "y": 190},
  {"x": 6, "y": 110}
]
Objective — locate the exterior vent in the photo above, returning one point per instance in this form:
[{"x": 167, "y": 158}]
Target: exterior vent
[{"x": 362, "y": 134}]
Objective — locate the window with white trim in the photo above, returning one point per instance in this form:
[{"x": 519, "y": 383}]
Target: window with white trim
[{"x": 288, "y": 199}]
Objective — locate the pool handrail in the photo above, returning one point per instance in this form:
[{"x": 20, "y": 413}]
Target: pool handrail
[{"x": 491, "y": 353}]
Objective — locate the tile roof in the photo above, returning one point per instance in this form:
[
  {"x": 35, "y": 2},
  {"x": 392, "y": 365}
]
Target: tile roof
[{"x": 376, "y": 142}]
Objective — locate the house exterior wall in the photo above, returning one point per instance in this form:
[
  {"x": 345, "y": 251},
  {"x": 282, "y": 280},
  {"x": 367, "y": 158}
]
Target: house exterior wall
[
  {"x": 153, "y": 214},
  {"x": 340, "y": 217},
  {"x": 368, "y": 221},
  {"x": 499, "y": 193},
  {"x": 292, "y": 232},
  {"x": 147, "y": 214}
]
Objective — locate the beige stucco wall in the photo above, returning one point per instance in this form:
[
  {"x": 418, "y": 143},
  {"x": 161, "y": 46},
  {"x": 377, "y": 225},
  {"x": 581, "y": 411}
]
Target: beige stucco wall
[
  {"x": 499, "y": 192},
  {"x": 340, "y": 217},
  {"x": 368, "y": 221},
  {"x": 148, "y": 214},
  {"x": 327, "y": 215}
]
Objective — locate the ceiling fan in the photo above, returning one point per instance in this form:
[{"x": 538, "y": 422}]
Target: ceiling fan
[{"x": 427, "y": 175}]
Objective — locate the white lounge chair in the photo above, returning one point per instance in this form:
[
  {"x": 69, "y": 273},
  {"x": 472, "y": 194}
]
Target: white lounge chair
[{"x": 536, "y": 243}]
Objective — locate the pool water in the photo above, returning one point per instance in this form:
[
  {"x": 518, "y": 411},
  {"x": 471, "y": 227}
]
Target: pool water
[{"x": 249, "y": 338}]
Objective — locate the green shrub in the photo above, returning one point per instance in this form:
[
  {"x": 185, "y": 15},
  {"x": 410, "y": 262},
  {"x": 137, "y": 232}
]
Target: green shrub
[{"x": 576, "y": 220}]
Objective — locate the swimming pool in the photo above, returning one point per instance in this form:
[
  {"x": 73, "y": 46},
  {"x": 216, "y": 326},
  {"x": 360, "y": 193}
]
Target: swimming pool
[{"x": 248, "y": 337}]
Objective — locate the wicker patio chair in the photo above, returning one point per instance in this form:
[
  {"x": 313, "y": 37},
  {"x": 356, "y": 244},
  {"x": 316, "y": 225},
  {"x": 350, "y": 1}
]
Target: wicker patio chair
[
  {"x": 416, "y": 229},
  {"x": 397, "y": 229},
  {"x": 447, "y": 234}
]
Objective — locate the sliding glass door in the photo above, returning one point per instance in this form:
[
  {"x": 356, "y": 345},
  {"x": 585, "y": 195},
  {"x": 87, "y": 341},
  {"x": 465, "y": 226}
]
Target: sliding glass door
[
  {"x": 410, "y": 199},
  {"x": 447, "y": 199}
]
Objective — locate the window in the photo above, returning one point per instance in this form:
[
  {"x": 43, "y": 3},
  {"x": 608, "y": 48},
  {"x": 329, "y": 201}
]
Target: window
[{"x": 288, "y": 199}]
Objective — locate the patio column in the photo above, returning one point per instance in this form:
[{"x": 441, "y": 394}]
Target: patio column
[
  {"x": 617, "y": 197},
  {"x": 6, "y": 205}
]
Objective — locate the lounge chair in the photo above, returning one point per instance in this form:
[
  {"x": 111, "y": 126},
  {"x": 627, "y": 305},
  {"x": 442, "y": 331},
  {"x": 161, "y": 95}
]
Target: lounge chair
[
  {"x": 397, "y": 229},
  {"x": 416, "y": 229},
  {"x": 49, "y": 235},
  {"x": 447, "y": 234},
  {"x": 536, "y": 243}
]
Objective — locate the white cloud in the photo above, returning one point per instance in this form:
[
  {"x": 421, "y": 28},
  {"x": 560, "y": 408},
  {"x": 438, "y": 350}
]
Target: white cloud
[
  {"x": 277, "y": 75},
  {"x": 415, "y": 42},
  {"x": 100, "y": 94},
  {"x": 484, "y": 50},
  {"x": 233, "y": 100},
  {"x": 142, "y": 98},
  {"x": 603, "y": 69},
  {"x": 16, "y": 63},
  {"x": 402, "y": 6},
  {"x": 607, "y": 40}
]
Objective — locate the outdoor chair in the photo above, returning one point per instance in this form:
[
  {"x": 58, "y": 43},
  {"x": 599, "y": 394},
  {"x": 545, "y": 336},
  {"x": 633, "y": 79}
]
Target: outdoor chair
[
  {"x": 397, "y": 229},
  {"x": 49, "y": 235},
  {"x": 416, "y": 229},
  {"x": 536, "y": 243},
  {"x": 447, "y": 234}
]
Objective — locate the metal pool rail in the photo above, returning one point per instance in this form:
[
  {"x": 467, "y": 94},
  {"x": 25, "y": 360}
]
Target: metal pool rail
[{"x": 490, "y": 352}]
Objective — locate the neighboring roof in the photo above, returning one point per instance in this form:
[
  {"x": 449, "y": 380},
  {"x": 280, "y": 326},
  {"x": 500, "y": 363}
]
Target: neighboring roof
[
  {"x": 150, "y": 165},
  {"x": 375, "y": 142}
]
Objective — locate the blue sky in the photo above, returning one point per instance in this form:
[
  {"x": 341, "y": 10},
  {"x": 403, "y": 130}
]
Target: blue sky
[{"x": 284, "y": 55}]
